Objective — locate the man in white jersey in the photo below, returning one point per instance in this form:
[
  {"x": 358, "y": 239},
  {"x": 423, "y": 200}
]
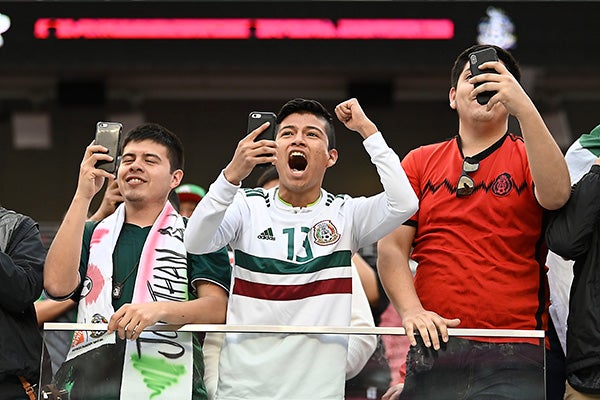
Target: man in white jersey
[{"x": 293, "y": 245}]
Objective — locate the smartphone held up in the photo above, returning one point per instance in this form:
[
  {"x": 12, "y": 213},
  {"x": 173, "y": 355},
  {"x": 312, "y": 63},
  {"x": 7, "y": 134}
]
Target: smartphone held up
[
  {"x": 475, "y": 60},
  {"x": 108, "y": 134},
  {"x": 256, "y": 119}
]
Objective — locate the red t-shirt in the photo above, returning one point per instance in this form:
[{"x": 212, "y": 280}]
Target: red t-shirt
[{"x": 479, "y": 256}]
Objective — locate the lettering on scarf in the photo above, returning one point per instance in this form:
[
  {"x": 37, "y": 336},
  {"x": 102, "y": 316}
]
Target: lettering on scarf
[
  {"x": 179, "y": 350},
  {"x": 163, "y": 358},
  {"x": 170, "y": 276},
  {"x": 173, "y": 232}
]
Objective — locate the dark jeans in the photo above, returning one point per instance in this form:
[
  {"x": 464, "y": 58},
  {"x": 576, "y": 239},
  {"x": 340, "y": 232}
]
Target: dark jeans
[
  {"x": 556, "y": 368},
  {"x": 469, "y": 370}
]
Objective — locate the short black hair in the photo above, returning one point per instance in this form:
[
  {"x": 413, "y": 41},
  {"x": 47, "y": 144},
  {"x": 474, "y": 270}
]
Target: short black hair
[
  {"x": 304, "y": 106},
  {"x": 503, "y": 55},
  {"x": 160, "y": 135}
]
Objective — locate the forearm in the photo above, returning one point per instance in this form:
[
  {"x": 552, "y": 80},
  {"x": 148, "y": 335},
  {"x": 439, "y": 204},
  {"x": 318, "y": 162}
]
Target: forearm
[
  {"x": 548, "y": 167},
  {"x": 209, "y": 308},
  {"x": 49, "y": 310},
  {"x": 401, "y": 198},
  {"x": 205, "y": 310},
  {"x": 379, "y": 215},
  {"x": 396, "y": 277},
  {"x": 61, "y": 275},
  {"x": 398, "y": 284},
  {"x": 201, "y": 231}
]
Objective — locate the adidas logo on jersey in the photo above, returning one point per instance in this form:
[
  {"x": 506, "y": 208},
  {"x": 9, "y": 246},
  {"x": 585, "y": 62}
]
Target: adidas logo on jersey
[{"x": 267, "y": 234}]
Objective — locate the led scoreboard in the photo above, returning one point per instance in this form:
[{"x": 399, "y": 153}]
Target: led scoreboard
[{"x": 282, "y": 34}]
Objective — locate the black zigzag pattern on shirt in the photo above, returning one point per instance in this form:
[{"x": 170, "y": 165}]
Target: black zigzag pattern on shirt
[{"x": 451, "y": 188}]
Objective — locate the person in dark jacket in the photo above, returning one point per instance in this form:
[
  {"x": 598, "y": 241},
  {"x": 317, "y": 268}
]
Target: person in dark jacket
[
  {"x": 574, "y": 234},
  {"x": 22, "y": 257}
]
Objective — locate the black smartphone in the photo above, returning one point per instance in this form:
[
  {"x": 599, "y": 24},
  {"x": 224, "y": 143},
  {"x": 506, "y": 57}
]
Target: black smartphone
[
  {"x": 257, "y": 118},
  {"x": 475, "y": 60},
  {"x": 108, "y": 134}
]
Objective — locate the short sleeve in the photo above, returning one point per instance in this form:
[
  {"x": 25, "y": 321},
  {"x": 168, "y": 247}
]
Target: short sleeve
[{"x": 212, "y": 267}]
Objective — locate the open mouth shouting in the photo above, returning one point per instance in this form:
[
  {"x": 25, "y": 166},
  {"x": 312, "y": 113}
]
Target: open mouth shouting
[{"x": 297, "y": 161}]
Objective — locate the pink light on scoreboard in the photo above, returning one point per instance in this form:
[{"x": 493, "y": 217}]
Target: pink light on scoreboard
[
  {"x": 125, "y": 28},
  {"x": 243, "y": 28}
]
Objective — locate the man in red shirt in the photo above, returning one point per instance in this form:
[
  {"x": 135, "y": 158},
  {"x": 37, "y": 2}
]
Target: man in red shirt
[{"x": 476, "y": 237}]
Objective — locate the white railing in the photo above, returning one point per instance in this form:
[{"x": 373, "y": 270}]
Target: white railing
[{"x": 508, "y": 333}]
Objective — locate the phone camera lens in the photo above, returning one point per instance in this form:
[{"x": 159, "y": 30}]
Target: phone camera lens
[{"x": 473, "y": 59}]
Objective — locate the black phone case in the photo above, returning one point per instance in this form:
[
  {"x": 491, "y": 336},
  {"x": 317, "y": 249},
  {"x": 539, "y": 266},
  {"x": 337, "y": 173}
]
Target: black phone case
[
  {"x": 475, "y": 60},
  {"x": 257, "y": 118},
  {"x": 108, "y": 134}
]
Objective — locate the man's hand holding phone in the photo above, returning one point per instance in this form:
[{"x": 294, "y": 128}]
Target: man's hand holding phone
[
  {"x": 108, "y": 134},
  {"x": 91, "y": 178},
  {"x": 257, "y": 119},
  {"x": 476, "y": 59},
  {"x": 100, "y": 159},
  {"x": 254, "y": 149}
]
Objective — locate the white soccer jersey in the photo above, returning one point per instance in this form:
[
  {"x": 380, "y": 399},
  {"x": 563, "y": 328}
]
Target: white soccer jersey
[{"x": 292, "y": 267}]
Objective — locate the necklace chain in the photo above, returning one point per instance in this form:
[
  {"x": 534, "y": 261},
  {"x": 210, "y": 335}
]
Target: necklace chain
[{"x": 117, "y": 287}]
